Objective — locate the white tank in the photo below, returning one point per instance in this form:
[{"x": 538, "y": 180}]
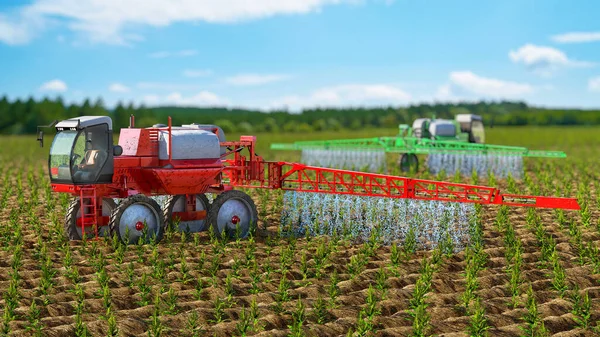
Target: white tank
[
  {"x": 442, "y": 128},
  {"x": 418, "y": 123},
  {"x": 209, "y": 127},
  {"x": 189, "y": 144}
]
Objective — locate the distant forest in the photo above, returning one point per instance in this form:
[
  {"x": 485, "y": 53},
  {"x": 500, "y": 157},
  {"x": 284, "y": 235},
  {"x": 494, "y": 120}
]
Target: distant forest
[{"x": 23, "y": 116}]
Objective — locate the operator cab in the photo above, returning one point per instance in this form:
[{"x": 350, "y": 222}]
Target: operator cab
[
  {"x": 473, "y": 125},
  {"x": 82, "y": 151}
]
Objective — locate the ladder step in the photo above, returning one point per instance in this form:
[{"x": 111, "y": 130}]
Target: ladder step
[{"x": 87, "y": 196}]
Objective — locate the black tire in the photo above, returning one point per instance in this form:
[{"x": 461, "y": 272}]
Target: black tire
[
  {"x": 194, "y": 226},
  {"x": 229, "y": 204},
  {"x": 152, "y": 217},
  {"x": 72, "y": 231},
  {"x": 408, "y": 162}
]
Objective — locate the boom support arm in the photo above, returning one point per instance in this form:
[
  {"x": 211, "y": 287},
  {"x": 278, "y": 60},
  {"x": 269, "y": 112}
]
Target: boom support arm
[{"x": 303, "y": 178}]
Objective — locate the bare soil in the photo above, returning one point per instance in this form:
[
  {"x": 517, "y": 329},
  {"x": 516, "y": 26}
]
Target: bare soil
[{"x": 58, "y": 315}]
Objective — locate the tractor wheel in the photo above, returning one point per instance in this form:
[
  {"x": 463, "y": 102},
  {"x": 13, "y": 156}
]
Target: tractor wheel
[
  {"x": 137, "y": 217},
  {"x": 73, "y": 232},
  {"x": 232, "y": 209},
  {"x": 177, "y": 203},
  {"x": 408, "y": 162}
]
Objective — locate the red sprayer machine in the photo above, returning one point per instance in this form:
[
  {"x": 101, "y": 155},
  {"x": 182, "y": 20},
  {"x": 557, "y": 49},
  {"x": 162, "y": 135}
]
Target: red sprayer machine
[{"x": 186, "y": 162}]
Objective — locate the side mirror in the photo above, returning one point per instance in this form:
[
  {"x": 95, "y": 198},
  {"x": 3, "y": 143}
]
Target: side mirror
[
  {"x": 41, "y": 138},
  {"x": 41, "y": 133},
  {"x": 117, "y": 150}
]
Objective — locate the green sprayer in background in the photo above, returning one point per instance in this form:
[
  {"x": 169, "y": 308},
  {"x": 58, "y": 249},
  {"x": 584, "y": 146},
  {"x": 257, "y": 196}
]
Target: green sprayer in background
[{"x": 450, "y": 145}]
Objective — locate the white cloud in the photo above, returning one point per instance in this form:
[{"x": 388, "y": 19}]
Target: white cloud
[
  {"x": 110, "y": 21},
  {"x": 544, "y": 60},
  {"x": 445, "y": 94},
  {"x": 11, "y": 33},
  {"x": 197, "y": 72},
  {"x": 255, "y": 79},
  {"x": 344, "y": 95},
  {"x": 179, "y": 53},
  {"x": 594, "y": 84},
  {"x": 199, "y": 99},
  {"x": 166, "y": 86},
  {"x": 20, "y": 26},
  {"x": 118, "y": 87},
  {"x": 54, "y": 85},
  {"x": 577, "y": 37},
  {"x": 202, "y": 98},
  {"x": 150, "y": 99},
  {"x": 466, "y": 83}
]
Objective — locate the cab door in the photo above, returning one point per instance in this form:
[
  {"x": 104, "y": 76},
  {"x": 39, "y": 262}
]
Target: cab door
[{"x": 92, "y": 150}]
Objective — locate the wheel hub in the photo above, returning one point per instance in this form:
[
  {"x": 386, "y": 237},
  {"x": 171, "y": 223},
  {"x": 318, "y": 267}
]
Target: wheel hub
[
  {"x": 139, "y": 225},
  {"x": 136, "y": 218},
  {"x": 233, "y": 213}
]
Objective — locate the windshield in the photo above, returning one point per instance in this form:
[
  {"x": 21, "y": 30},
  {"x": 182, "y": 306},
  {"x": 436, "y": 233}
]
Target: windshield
[{"x": 60, "y": 155}]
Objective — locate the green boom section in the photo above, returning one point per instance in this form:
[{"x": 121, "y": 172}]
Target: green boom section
[{"x": 416, "y": 145}]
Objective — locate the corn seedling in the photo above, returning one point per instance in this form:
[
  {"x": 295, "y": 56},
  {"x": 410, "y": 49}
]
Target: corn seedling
[
  {"x": 381, "y": 280},
  {"x": 534, "y": 326},
  {"x": 283, "y": 294},
  {"x": 333, "y": 289},
  {"x": 218, "y": 311},
  {"x": 320, "y": 312},
  {"x": 582, "y": 309},
  {"x": 81, "y": 329},
  {"x": 243, "y": 325},
  {"x": 229, "y": 288},
  {"x": 193, "y": 328},
  {"x": 478, "y": 324},
  {"x": 171, "y": 302},
  {"x": 298, "y": 318},
  {"x": 198, "y": 289},
  {"x": 304, "y": 269},
  {"x": 559, "y": 277},
  {"x": 111, "y": 321},
  {"x": 421, "y": 321},
  {"x": 254, "y": 315},
  {"x": 417, "y": 304},
  {"x": 365, "y": 324},
  {"x": 144, "y": 290},
  {"x": 471, "y": 282},
  {"x": 33, "y": 317},
  {"x": 256, "y": 279},
  {"x": 356, "y": 265}
]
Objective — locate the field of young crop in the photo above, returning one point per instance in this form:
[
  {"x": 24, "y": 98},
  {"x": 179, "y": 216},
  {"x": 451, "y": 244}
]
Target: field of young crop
[{"x": 524, "y": 272}]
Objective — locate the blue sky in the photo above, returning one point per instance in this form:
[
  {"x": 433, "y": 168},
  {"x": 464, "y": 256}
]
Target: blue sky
[{"x": 301, "y": 53}]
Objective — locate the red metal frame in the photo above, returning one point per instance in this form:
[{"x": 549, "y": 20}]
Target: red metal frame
[
  {"x": 190, "y": 213},
  {"x": 139, "y": 170},
  {"x": 303, "y": 178}
]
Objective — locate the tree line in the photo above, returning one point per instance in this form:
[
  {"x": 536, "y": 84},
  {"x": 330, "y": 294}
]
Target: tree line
[{"x": 23, "y": 116}]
